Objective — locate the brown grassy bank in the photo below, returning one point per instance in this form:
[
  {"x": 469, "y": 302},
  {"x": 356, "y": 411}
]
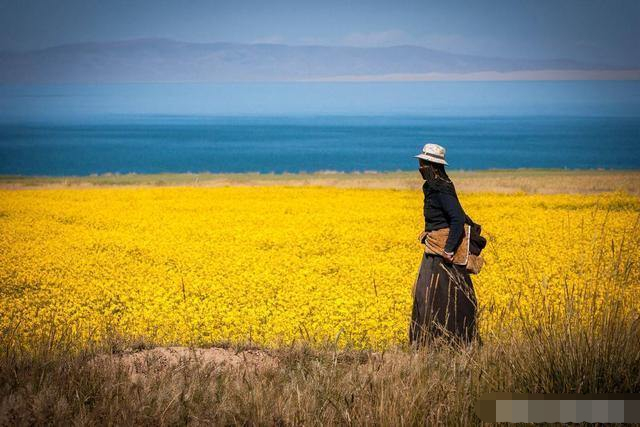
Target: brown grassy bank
[{"x": 545, "y": 181}]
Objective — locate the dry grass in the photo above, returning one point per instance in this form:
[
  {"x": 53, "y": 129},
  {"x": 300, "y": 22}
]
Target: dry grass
[
  {"x": 544, "y": 181},
  {"x": 51, "y": 382}
]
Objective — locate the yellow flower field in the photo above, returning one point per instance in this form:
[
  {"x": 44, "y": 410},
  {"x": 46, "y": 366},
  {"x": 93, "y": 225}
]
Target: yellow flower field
[{"x": 271, "y": 264}]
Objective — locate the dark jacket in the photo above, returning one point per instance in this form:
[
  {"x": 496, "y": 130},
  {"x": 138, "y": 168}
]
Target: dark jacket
[{"x": 442, "y": 209}]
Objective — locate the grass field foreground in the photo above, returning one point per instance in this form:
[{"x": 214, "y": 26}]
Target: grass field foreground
[{"x": 309, "y": 289}]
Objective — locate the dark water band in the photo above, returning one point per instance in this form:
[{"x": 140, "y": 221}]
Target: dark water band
[{"x": 562, "y": 408}]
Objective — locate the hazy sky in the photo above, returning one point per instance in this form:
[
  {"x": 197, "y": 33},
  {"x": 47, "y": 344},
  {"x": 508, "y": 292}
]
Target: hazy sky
[{"x": 593, "y": 30}]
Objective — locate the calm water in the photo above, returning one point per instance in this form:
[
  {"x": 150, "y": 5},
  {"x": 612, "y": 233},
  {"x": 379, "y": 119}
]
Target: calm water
[{"x": 151, "y": 144}]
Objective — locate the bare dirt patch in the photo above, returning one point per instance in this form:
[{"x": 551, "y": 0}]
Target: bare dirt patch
[{"x": 144, "y": 362}]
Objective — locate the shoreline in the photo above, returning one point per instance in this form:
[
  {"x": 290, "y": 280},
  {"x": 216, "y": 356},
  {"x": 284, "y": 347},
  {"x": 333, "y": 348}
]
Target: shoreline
[{"x": 544, "y": 181}]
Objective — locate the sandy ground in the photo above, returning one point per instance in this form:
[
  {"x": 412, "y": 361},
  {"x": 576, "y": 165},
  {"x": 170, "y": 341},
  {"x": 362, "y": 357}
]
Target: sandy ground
[{"x": 144, "y": 362}]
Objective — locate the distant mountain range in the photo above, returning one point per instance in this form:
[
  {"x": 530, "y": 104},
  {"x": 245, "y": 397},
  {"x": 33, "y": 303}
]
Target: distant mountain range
[{"x": 163, "y": 60}]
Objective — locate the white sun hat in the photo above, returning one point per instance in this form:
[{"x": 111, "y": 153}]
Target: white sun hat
[{"x": 433, "y": 153}]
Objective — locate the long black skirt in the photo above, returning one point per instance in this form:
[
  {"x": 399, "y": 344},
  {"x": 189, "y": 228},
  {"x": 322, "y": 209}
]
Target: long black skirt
[{"x": 444, "y": 303}]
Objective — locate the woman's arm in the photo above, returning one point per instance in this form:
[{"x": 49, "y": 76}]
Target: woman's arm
[{"x": 455, "y": 216}]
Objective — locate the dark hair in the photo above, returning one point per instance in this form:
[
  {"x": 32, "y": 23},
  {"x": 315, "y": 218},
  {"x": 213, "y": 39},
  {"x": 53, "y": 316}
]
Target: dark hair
[{"x": 435, "y": 171}]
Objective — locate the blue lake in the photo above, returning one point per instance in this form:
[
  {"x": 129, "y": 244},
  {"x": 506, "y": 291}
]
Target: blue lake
[
  {"x": 292, "y": 144},
  {"x": 293, "y": 127}
]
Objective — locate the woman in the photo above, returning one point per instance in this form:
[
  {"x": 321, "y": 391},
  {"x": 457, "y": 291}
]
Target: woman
[{"x": 444, "y": 302}]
